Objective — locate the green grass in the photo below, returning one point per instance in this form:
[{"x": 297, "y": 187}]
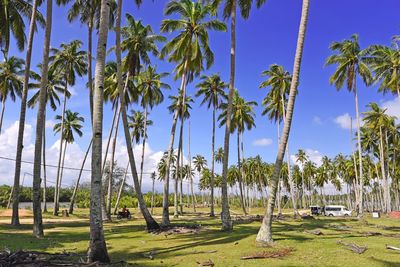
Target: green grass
[{"x": 128, "y": 241}]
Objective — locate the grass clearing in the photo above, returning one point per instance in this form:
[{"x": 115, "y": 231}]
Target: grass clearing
[{"x": 128, "y": 241}]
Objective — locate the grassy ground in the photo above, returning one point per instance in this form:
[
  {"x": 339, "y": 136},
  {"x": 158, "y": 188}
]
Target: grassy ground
[{"x": 128, "y": 241}]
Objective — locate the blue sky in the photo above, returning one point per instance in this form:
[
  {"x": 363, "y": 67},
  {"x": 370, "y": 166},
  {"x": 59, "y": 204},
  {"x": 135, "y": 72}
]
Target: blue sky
[{"x": 267, "y": 37}]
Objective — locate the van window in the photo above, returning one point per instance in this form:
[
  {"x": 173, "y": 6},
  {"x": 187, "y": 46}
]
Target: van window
[{"x": 333, "y": 209}]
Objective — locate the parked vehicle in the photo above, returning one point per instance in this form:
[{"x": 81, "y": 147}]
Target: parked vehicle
[
  {"x": 336, "y": 210},
  {"x": 316, "y": 210}
]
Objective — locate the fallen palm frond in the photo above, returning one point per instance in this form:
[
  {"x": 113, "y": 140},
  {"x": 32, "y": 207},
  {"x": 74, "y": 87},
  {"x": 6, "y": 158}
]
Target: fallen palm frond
[
  {"x": 392, "y": 248},
  {"x": 353, "y": 247},
  {"x": 269, "y": 254}
]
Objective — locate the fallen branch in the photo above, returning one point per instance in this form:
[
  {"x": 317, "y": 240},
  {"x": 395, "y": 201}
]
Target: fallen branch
[
  {"x": 353, "y": 247},
  {"x": 314, "y": 232},
  {"x": 392, "y": 248}
]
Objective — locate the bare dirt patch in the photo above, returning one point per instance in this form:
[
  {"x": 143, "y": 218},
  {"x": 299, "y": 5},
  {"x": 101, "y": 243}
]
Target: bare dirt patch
[{"x": 280, "y": 253}]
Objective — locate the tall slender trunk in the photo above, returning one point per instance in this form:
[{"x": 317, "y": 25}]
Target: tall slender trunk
[
  {"x": 225, "y": 214},
  {"x": 62, "y": 171},
  {"x": 143, "y": 145},
  {"x": 22, "y": 117},
  {"x": 265, "y": 233},
  {"x": 110, "y": 136},
  {"x": 90, "y": 80},
  {"x": 178, "y": 171},
  {"x": 121, "y": 188},
  {"x": 152, "y": 193},
  {"x": 386, "y": 194},
  {"x": 165, "y": 214},
  {"x": 110, "y": 174},
  {"x": 181, "y": 170},
  {"x": 41, "y": 129},
  {"x": 361, "y": 192},
  {"x": 356, "y": 191},
  {"x": 240, "y": 176},
  {"x": 3, "y": 107},
  {"x": 212, "y": 213},
  {"x": 57, "y": 190},
  {"x": 190, "y": 173},
  {"x": 150, "y": 222},
  {"x": 71, "y": 204},
  {"x": 44, "y": 160},
  {"x": 97, "y": 246}
]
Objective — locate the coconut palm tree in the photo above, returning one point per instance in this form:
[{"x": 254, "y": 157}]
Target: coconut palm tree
[
  {"x": 265, "y": 233},
  {"x": 351, "y": 62},
  {"x": 182, "y": 105},
  {"x": 70, "y": 61},
  {"x": 40, "y": 124},
  {"x": 189, "y": 50},
  {"x": 149, "y": 85},
  {"x": 385, "y": 63},
  {"x": 13, "y": 14},
  {"x": 97, "y": 246},
  {"x": 380, "y": 123},
  {"x": 138, "y": 41},
  {"x": 275, "y": 107},
  {"x": 242, "y": 119},
  {"x": 230, "y": 10},
  {"x": 212, "y": 89},
  {"x": 302, "y": 158},
  {"x": 55, "y": 87},
  {"x": 199, "y": 164},
  {"x": 11, "y": 81}
]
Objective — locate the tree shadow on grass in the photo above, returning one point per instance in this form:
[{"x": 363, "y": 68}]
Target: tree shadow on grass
[{"x": 385, "y": 263}]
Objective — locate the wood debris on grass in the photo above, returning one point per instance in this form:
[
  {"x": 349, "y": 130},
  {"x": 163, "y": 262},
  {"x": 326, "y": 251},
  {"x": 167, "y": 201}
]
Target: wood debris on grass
[
  {"x": 392, "y": 248},
  {"x": 366, "y": 234},
  {"x": 314, "y": 232},
  {"x": 269, "y": 254},
  {"x": 36, "y": 258},
  {"x": 353, "y": 247},
  {"x": 206, "y": 263},
  {"x": 179, "y": 229}
]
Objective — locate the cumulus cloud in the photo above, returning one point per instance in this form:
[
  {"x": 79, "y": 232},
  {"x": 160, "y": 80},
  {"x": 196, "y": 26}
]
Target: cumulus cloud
[
  {"x": 73, "y": 159},
  {"x": 317, "y": 120},
  {"x": 392, "y": 107},
  {"x": 262, "y": 142},
  {"x": 345, "y": 121}
]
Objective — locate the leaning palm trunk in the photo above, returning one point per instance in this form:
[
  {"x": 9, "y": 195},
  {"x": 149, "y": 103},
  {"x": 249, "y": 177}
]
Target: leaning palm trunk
[
  {"x": 89, "y": 53},
  {"x": 20, "y": 140},
  {"x": 110, "y": 174},
  {"x": 265, "y": 233},
  {"x": 44, "y": 161},
  {"x": 143, "y": 145},
  {"x": 41, "y": 129},
  {"x": 97, "y": 246},
  {"x": 72, "y": 202},
  {"x": 225, "y": 214},
  {"x": 165, "y": 215},
  {"x": 57, "y": 189},
  {"x": 152, "y": 195},
  {"x": 150, "y": 222},
  {"x": 3, "y": 107},
  {"x": 190, "y": 172},
  {"x": 110, "y": 136},
  {"x": 240, "y": 175},
  {"x": 386, "y": 194},
  {"x": 178, "y": 171}
]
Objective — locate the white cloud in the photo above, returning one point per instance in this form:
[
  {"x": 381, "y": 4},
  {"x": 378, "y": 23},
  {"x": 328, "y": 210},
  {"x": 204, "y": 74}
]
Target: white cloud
[
  {"x": 392, "y": 107},
  {"x": 345, "y": 121},
  {"x": 317, "y": 120},
  {"x": 313, "y": 155},
  {"x": 50, "y": 124},
  {"x": 262, "y": 142}
]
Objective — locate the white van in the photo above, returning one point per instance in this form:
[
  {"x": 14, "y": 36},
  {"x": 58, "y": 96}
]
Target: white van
[{"x": 336, "y": 210}]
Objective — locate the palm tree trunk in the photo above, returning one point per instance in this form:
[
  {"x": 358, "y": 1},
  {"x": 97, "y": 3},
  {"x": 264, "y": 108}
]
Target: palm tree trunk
[
  {"x": 181, "y": 170},
  {"x": 165, "y": 215},
  {"x": 152, "y": 195},
  {"x": 97, "y": 246},
  {"x": 178, "y": 171},
  {"x": 71, "y": 204},
  {"x": 121, "y": 188},
  {"x": 22, "y": 117},
  {"x": 225, "y": 214},
  {"x": 44, "y": 161},
  {"x": 242, "y": 202},
  {"x": 356, "y": 191},
  {"x": 110, "y": 135},
  {"x": 57, "y": 190},
  {"x": 62, "y": 171},
  {"x": 40, "y": 128},
  {"x": 143, "y": 145},
  {"x": 90, "y": 80},
  {"x": 212, "y": 213},
  {"x": 190, "y": 173},
  {"x": 265, "y": 233},
  {"x": 150, "y": 222},
  {"x": 360, "y": 206},
  {"x": 3, "y": 107},
  {"x": 384, "y": 178},
  {"x": 110, "y": 174}
]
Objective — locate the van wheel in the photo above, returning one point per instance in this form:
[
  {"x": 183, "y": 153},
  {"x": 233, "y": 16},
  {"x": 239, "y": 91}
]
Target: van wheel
[{"x": 330, "y": 215}]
